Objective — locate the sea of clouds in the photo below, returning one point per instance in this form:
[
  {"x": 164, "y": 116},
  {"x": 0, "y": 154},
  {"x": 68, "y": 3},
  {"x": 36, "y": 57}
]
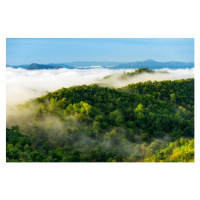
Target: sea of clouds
[{"x": 22, "y": 85}]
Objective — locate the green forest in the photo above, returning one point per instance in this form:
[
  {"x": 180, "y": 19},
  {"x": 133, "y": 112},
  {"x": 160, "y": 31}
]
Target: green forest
[
  {"x": 127, "y": 75},
  {"x": 141, "y": 122}
]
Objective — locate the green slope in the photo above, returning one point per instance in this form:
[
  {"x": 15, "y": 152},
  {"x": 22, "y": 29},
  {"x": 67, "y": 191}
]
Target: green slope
[{"x": 100, "y": 124}]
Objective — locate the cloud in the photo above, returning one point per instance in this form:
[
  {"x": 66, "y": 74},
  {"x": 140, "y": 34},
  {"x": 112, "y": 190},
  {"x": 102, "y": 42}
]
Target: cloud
[
  {"x": 23, "y": 85},
  {"x": 116, "y": 82}
]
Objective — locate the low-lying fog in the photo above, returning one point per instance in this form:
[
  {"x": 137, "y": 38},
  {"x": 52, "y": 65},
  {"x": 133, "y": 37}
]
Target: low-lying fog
[{"x": 25, "y": 84}]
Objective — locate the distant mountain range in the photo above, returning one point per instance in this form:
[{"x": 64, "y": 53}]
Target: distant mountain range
[
  {"x": 151, "y": 64},
  {"x": 155, "y": 65},
  {"x": 88, "y": 63},
  {"x": 34, "y": 66},
  {"x": 39, "y": 66}
]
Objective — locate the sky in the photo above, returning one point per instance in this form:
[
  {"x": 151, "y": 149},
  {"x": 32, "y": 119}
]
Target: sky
[{"x": 58, "y": 50}]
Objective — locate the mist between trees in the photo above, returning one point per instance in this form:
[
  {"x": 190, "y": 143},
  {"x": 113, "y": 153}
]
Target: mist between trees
[{"x": 149, "y": 121}]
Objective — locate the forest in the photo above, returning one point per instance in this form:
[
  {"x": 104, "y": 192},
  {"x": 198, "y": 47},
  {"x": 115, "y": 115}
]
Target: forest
[{"x": 141, "y": 122}]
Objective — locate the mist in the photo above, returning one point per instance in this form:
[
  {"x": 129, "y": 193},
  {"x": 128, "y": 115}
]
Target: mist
[
  {"x": 116, "y": 82},
  {"x": 23, "y": 85}
]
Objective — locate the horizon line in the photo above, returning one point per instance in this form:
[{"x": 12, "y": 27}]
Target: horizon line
[{"x": 101, "y": 61}]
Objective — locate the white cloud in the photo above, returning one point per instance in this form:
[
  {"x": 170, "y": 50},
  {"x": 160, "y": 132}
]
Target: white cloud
[{"x": 25, "y": 84}]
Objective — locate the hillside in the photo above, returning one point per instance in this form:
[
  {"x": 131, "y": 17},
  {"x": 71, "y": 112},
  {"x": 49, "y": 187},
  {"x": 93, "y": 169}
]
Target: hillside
[
  {"x": 127, "y": 75},
  {"x": 100, "y": 124},
  {"x": 182, "y": 150}
]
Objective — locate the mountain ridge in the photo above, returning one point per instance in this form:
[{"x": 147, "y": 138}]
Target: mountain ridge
[{"x": 151, "y": 64}]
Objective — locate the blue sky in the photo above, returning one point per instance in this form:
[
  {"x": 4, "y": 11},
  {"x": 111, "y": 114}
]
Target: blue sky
[{"x": 57, "y": 50}]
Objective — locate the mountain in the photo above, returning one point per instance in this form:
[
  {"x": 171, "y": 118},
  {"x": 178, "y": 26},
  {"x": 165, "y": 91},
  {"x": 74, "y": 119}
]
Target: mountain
[
  {"x": 92, "y": 63},
  {"x": 87, "y": 64},
  {"x": 34, "y": 66},
  {"x": 152, "y": 64},
  {"x": 40, "y": 66},
  {"x": 17, "y": 66},
  {"x": 68, "y": 65},
  {"x": 61, "y": 65}
]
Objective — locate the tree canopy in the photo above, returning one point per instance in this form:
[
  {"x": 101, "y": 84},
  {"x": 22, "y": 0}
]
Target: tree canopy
[{"x": 150, "y": 121}]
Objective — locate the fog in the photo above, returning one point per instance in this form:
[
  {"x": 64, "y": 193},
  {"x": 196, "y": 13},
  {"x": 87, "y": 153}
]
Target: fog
[
  {"x": 115, "y": 81},
  {"x": 23, "y": 85}
]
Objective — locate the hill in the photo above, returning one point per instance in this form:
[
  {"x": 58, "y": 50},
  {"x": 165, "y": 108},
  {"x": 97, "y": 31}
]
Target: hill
[
  {"x": 34, "y": 66},
  {"x": 127, "y": 75},
  {"x": 100, "y": 124}
]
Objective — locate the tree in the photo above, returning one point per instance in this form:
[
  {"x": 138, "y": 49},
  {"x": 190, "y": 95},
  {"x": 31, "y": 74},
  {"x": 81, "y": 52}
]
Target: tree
[
  {"x": 139, "y": 111},
  {"x": 172, "y": 98}
]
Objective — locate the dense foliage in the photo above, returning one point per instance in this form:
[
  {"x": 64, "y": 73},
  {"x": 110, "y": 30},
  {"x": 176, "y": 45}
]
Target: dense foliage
[
  {"x": 139, "y": 122},
  {"x": 20, "y": 148},
  {"x": 182, "y": 150}
]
